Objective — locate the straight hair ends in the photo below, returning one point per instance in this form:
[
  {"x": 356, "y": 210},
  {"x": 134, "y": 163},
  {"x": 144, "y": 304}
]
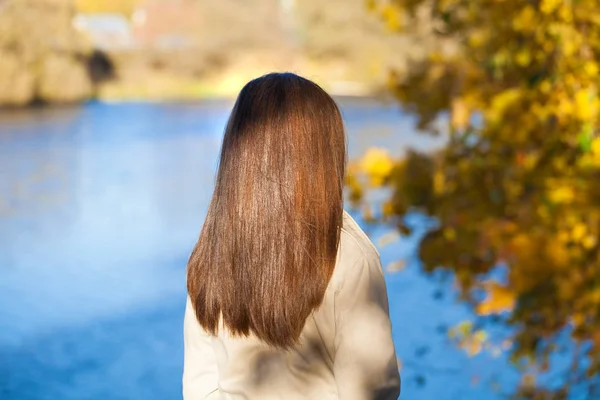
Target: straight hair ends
[{"x": 268, "y": 246}]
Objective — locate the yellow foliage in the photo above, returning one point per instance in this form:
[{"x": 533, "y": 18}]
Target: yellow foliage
[
  {"x": 477, "y": 38},
  {"x": 548, "y": 6},
  {"x": 595, "y": 149},
  {"x": 353, "y": 184},
  {"x": 450, "y": 234},
  {"x": 474, "y": 344},
  {"x": 499, "y": 299},
  {"x": 377, "y": 165},
  {"x": 393, "y": 17},
  {"x": 523, "y": 57},
  {"x": 566, "y": 289},
  {"x": 472, "y": 341},
  {"x": 578, "y": 319},
  {"x": 387, "y": 209},
  {"x": 545, "y": 87},
  {"x": 586, "y": 104},
  {"x": 579, "y": 232},
  {"x": 501, "y": 102},
  {"x": 522, "y": 95},
  {"x": 439, "y": 182},
  {"x": 525, "y": 20},
  {"x": 461, "y": 114},
  {"x": 589, "y": 242},
  {"x": 591, "y": 68},
  {"x": 565, "y": 13},
  {"x": 561, "y": 194},
  {"x": 557, "y": 250}
]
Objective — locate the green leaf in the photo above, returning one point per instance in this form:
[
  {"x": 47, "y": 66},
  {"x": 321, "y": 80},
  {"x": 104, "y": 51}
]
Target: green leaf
[{"x": 585, "y": 138}]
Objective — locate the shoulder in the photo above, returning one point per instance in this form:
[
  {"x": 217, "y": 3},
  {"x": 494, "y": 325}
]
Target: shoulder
[
  {"x": 356, "y": 254},
  {"x": 353, "y": 235}
]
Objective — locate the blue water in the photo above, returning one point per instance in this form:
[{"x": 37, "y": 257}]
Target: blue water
[{"x": 99, "y": 209}]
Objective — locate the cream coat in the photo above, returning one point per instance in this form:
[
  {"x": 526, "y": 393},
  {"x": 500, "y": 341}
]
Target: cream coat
[{"x": 345, "y": 352}]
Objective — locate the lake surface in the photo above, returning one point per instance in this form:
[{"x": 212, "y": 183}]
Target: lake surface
[{"x": 99, "y": 209}]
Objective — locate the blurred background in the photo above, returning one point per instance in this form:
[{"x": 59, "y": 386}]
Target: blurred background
[{"x": 475, "y": 168}]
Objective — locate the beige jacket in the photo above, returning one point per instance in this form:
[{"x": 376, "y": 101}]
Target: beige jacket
[{"x": 345, "y": 352}]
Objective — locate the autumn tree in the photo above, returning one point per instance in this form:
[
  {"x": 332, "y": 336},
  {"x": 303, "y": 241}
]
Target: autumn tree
[{"x": 517, "y": 186}]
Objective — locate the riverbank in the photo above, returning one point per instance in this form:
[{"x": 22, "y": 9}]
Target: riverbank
[
  {"x": 158, "y": 85},
  {"x": 136, "y": 82}
]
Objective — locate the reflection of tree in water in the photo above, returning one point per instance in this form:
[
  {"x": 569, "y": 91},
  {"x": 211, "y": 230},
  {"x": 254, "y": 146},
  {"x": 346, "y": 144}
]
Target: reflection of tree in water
[{"x": 517, "y": 188}]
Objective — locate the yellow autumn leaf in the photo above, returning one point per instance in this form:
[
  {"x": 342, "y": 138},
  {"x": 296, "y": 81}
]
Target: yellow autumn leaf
[
  {"x": 578, "y": 319},
  {"x": 591, "y": 68},
  {"x": 548, "y": 6},
  {"x": 531, "y": 160},
  {"x": 562, "y": 195},
  {"x": 589, "y": 242},
  {"x": 543, "y": 212},
  {"x": 566, "y": 289},
  {"x": 565, "y": 107},
  {"x": 595, "y": 296},
  {"x": 461, "y": 330},
  {"x": 579, "y": 231},
  {"x": 586, "y": 107},
  {"x": 565, "y": 13},
  {"x": 563, "y": 236},
  {"x": 460, "y": 115},
  {"x": 523, "y": 58},
  {"x": 506, "y": 98},
  {"x": 377, "y": 165},
  {"x": 450, "y": 234},
  {"x": 392, "y": 15},
  {"x": 481, "y": 335},
  {"x": 557, "y": 251},
  {"x": 387, "y": 208},
  {"x": 595, "y": 151},
  {"x": 472, "y": 347},
  {"x": 439, "y": 182},
  {"x": 499, "y": 299},
  {"x": 476, "y": 39},
  {"x": 545, "y": 87},
  {"x": 525, "y": 19},
  {"x": 569, "y": 47},
  {"x": 501, "y": 102}
]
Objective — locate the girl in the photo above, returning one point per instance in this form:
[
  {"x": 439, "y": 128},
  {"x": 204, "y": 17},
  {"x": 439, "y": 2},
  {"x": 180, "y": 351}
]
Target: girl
[{"x": 286, "y": 293}]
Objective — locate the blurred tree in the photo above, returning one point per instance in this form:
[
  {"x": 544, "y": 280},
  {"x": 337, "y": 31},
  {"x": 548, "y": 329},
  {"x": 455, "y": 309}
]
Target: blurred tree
[
  {"x": 340, "y": 33},
  {"x": 42, "y": 58},
  {"x": 518, "y": 183}
]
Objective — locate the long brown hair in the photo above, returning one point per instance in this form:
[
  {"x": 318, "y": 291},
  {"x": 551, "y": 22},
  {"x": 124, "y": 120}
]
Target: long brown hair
[{"x": 268, "y": 246}]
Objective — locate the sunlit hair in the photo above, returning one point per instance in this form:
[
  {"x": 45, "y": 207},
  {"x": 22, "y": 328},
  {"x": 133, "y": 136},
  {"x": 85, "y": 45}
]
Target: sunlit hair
[{"x": 268, "y": 246}]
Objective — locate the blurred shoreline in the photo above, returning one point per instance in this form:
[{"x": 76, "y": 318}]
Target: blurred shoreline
[
  {"x": 190, "y": 50},
  {"x": 168, "y": 86}
]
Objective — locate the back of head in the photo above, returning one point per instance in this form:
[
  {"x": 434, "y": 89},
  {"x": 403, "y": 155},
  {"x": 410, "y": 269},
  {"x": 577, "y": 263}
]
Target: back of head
[{"x": 268, "y": 246}]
